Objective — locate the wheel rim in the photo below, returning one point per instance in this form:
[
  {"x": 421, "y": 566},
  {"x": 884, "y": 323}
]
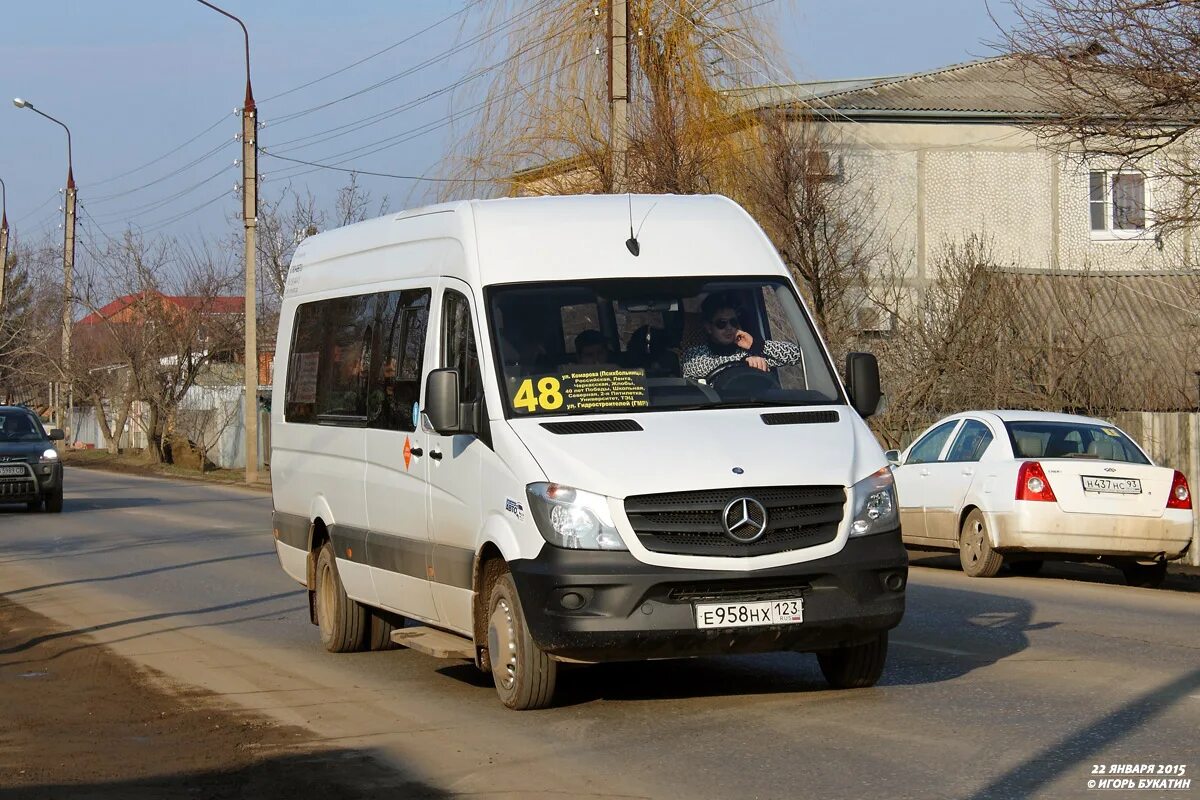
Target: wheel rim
[
  {"x": 325, "y": 599},
  {"x": 502, "y": 645},
  {"x": 974, "y": 549}
]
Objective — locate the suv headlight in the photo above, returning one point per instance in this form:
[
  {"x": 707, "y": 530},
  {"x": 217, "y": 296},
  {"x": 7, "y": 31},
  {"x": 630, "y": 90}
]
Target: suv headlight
[
  {"x": 572, "y": 518},
  {"x": 49, "y": 455},
  {"x": 874, "y": 504}
]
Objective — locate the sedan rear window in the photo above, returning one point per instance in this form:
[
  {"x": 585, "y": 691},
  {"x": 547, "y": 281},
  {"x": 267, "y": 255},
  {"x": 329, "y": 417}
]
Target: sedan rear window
[{"x": 1032, "y": 439}]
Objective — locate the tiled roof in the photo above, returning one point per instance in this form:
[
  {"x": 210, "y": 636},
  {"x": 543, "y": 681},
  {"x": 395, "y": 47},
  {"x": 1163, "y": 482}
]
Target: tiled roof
[{"x": 210, "y": 305}]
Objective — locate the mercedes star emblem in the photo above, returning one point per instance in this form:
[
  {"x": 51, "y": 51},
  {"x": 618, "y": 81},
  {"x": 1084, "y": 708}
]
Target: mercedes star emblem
[{"x": 745, "y": 520}]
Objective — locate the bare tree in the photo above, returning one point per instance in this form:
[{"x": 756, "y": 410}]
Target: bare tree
[
  {"x": 161, "y": 318},
  {"x": 283, "y": 222},
  {"x": 354, "y": 203},
  {"x": 1123, "y": 80},
  {"x": 824, "y": 225}
]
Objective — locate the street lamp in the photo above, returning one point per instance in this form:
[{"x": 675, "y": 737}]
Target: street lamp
[
  {"x": 3, "y": 240},
  {"x": 68, "y": 272},
  {"x": 250, "y": 221}
]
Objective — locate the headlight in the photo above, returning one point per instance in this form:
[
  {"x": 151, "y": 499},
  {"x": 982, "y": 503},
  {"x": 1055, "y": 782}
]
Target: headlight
[
  {"x": 49, "y": 455},
  {"x": 572, "y": 518},
  {"x": 874, "y": 504}
]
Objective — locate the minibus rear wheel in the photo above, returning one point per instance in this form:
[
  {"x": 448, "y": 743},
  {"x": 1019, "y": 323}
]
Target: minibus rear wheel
[
  {"x": 525, "y": 676},
  {"x": 342, "y": 621},
  {"x": 855, "y": 666}
]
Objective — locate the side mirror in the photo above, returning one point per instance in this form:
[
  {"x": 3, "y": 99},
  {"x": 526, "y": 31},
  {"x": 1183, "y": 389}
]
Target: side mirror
[
  {"x": 56, "y": 434},
  {"x": 862, "y": 381},
  {"x": 441, "y": 401},
  {"x": 893, "y": 457}
]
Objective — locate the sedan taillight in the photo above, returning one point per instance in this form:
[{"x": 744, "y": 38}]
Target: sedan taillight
[
  {"x": 1179, "y": 497},
  {"x": 1032, "y": 483}
]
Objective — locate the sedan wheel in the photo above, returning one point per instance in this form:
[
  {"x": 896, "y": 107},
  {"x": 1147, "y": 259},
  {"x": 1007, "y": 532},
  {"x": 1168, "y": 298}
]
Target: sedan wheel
[{"x": 975, "y": 551}]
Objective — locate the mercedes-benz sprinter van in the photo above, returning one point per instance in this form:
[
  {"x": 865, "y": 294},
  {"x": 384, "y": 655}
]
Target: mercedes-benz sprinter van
[{"x": 576, "y": 429}]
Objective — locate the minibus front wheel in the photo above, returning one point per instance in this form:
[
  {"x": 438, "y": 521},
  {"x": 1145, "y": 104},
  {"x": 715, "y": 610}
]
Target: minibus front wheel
[
  {"x": 342, "y": 621},
  {"x": 525, "y": 676}
]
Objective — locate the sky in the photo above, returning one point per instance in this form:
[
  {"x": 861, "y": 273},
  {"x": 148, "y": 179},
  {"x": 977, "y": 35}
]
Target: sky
[{"x": 150, "y": 89}]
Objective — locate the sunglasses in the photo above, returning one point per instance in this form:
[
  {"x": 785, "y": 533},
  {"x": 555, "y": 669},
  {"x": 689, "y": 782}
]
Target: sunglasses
[{"x": 728, "y": 322}]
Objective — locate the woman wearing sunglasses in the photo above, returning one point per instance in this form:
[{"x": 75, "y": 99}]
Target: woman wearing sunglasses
[{"x": 728, "y": 343}]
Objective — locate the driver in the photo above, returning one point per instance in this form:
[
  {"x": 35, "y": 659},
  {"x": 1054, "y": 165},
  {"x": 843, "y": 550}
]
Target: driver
[{"x": 728, "y": 343}]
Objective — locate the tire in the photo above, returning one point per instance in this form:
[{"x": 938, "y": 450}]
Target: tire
[
  {"x": 1148, "y": 576},
  {"x": 855, "y": 666},
  {"x": 380, "y": 625},
  {"x": 54, "y": 501},
  {"x": 1030, "y": 567},
  {"x": 975, "y": 551},
  {"x": 342, "y": 621},
  {"x": 525, "y": 676},
  {"x": 33, "y": 505}
]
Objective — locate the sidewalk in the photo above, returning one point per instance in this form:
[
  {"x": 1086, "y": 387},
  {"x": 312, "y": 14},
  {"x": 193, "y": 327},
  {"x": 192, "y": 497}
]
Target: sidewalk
[{"x": 134, "y": 464}]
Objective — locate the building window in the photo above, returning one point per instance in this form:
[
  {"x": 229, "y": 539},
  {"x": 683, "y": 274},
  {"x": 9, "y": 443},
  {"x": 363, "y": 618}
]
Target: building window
[{"x": 1117, "y": 204}]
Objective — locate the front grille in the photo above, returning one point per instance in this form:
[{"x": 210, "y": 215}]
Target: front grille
[
  {"x": 690, "y": 523},
  {"x": 18, "y": 485},
  {"x": 736, "y": 590}
]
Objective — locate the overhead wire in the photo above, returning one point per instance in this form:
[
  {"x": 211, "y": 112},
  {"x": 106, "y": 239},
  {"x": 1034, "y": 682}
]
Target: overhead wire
[
  {"x": 404, "y": 136},
  {"x": 154, "y": 161},
  {"x": 373, "y": 119},
  {"x": 445, "y": 54},
  {"x": 376, "y": 54}
]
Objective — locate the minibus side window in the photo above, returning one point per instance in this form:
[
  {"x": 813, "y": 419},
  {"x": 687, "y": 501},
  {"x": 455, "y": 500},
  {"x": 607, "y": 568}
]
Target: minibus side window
[
  {"x": 458, "y": 346},
  {"x": 398, "y": 349},
  {"x": 327, "y": 367}
]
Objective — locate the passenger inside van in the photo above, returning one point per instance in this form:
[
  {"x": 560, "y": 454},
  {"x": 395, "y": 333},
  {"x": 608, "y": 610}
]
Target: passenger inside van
[
  {"x": 591, "y": 348},
  {"x": 729, "y": 343}
]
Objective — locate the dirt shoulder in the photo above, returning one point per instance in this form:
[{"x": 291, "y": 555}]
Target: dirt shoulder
[
  {"x": 81, "y": 722},
  {"x": 134, "y": 464}
]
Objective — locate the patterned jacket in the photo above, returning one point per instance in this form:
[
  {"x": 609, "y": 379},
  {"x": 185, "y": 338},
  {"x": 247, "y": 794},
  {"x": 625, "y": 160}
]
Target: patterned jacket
[{"x": 702, "y": 360}]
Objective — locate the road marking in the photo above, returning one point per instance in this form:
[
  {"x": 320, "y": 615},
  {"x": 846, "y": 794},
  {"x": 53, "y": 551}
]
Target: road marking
[{"x": 933, "y": 648}]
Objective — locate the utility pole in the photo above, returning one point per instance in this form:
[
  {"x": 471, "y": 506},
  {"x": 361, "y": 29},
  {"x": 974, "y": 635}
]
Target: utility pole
[
  {"x": 618, "y": 91},
  {"x": 68, "y": 312},
  {"x": 3, "y": 240},
  {"x": 68, "y": 316},
  {"x": 250, "y": 222}
]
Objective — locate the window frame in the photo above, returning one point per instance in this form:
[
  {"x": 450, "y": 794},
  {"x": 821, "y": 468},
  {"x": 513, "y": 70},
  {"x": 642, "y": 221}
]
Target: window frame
[
  {"x": 1109, "y": 233},
  {"x": 953, "y": 424},
  {"x": 958, "y": 433}
]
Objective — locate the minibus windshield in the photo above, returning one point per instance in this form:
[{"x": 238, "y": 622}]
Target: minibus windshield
[{"x": 650, "y": 344}]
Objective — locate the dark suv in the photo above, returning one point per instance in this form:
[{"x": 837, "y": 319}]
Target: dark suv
[{"x": 30, "y": 471}]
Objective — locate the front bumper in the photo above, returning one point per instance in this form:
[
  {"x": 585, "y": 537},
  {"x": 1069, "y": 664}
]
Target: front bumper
[
  {"x": 1035, "y": 527},
  {"x": 634, "y": 610},
  {"x": 45, "y": 478}
]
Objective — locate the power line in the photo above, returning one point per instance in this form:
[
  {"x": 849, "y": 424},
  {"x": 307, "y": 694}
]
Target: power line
[
  {"x": 154, "y": 161},
  {"x": 146, "y": 208},
  {"x": 412, "y": 133},
  {"x": 378, "y": 117},
  {"x": 416, "y": 67},
  {"x": 103, "y": 199},
  {"x": 376, "y": 54},
  {"x": 377, "y": 174}
]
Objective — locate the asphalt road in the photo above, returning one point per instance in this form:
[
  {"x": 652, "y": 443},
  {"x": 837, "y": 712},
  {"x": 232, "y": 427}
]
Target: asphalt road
[{"x": 1010, "y": 687}]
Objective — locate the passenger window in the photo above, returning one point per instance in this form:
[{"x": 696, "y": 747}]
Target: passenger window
[
  {"x": 327, "y": 370},
  {"x": 930, "y": 447},
  {"x": 971, "y": 441},
  {"x": 458, "y": 346},
  {"x": 401, "y": 319}
]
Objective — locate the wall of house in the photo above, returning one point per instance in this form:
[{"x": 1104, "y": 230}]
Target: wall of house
[{"x": 940, "y": 183}]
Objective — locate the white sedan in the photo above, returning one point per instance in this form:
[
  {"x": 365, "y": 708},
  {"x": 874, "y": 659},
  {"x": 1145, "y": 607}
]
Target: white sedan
[{"x": 1019, "y": 487}]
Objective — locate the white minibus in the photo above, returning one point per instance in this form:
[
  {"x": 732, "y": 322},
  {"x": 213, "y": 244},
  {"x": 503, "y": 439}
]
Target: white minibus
[{"x": 530, "y": 431}]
